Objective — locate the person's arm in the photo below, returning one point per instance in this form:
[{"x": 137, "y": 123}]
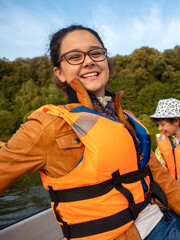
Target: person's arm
[
  {"x": 170, "y": 186},
  {"x": 22, "y": 154}
]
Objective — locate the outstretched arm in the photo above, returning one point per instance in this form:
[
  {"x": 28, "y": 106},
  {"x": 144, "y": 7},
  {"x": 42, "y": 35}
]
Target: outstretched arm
[{"x": 21, "y": 154}]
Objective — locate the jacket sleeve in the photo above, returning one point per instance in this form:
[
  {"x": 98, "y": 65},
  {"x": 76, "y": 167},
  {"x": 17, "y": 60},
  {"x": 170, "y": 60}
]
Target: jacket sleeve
[
  {"x": 22, "y": 154},
  {"x": 170, "y": 186}
]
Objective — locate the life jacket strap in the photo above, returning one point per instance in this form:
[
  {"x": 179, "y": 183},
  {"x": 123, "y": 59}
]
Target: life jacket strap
[
  {"x": 96, "y": 190},
  {"x": 128, "y": 195},
  {"x": 157, "y": 192},
  {"x": 101, "y": 225},
  {"x": 59, "y": 219}
]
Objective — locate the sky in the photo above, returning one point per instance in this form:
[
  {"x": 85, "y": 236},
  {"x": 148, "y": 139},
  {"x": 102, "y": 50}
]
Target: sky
[{"x": 26, "y": 26}]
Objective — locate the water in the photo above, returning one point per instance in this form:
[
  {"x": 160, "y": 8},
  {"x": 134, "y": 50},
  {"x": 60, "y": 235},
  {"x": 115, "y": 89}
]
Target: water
[{"x": 24, "y": 198}]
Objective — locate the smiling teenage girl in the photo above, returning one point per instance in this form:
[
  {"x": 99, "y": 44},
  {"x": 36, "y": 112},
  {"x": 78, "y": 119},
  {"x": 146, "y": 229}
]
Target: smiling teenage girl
[{"x": 93, "y": 157}]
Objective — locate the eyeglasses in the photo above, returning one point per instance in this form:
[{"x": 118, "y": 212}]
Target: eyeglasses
[{"x": 78, "y": 57}]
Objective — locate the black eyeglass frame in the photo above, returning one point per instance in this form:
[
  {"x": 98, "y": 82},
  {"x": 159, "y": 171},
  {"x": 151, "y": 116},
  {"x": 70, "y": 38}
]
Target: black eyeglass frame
[{"x": 85, "y": 54}]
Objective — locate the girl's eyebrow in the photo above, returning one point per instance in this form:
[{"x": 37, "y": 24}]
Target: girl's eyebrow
[{"x": 91, "y": 47}]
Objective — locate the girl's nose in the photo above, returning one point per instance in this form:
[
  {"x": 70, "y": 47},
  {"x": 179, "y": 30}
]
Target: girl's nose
[
  {"x": 88, "y": 61},
  {"x": 160, "y": 128}
]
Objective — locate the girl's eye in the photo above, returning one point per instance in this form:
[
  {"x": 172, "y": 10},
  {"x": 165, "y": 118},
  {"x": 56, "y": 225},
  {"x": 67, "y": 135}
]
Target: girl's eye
[
  {"x": 74, "y": 57},
  {"x": 96, "y": 53}
]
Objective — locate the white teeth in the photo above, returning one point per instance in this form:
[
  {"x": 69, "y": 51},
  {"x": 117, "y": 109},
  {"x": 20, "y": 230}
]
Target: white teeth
[{"x": 90, "y": 75}]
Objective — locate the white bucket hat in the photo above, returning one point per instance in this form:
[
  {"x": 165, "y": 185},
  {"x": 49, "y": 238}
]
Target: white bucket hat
[{"x": 167, "y": 108}]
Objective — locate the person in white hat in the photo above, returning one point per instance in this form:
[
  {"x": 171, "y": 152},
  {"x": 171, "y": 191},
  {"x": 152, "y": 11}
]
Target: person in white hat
[{"x": 167, "y": 116}]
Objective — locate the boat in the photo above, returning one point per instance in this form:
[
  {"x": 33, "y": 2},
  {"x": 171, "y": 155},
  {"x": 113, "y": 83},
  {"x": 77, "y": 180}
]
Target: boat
[{"x": 40, "y": 226}]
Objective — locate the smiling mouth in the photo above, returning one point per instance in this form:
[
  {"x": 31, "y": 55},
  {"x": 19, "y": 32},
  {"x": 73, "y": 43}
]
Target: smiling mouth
[{"x": 90, "y": 75}]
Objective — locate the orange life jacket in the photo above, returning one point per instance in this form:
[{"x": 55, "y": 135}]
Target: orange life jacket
[
  {"x": 102, "y": 196},
  {"x": 171, "y": 154}
]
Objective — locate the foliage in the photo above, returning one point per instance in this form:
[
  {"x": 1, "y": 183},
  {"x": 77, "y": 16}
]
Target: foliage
[
  {"x": 25, "y": 85},
  {"x": 149, "y": 96},
  {"x": 7, "y": 122},
  {"x": 145, "y": 76}
]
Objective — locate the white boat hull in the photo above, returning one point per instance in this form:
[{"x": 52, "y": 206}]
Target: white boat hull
[{"x": 41, "y": 226}]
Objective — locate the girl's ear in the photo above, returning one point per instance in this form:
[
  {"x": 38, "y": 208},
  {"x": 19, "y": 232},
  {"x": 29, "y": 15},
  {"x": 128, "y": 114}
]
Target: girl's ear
[
  {"x": 59, "y": 74},
  {"x": 177, "y": 121}
]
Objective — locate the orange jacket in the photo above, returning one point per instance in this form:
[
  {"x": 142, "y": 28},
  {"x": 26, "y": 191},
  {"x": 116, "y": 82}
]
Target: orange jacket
[{"x": 171, "y": 155}]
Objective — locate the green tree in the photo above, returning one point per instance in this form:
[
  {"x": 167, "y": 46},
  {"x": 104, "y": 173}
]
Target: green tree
[
  {"x": 7, "y": 123},
  {"x": 172, "y": 57},
  {"x": 2, "y": 101},
  {"x": 41, "y": 71},
  {"x": 30, "y": 97},
  {"x": 150, "y": 95},
  {"x": 24, "y": 98},
  {"x": 175, "y": 85},
  {"x": 144, "y": 58}
]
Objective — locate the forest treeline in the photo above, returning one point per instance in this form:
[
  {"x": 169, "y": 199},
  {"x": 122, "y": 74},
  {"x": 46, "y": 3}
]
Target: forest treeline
[{"x": 146, "y": 76}]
